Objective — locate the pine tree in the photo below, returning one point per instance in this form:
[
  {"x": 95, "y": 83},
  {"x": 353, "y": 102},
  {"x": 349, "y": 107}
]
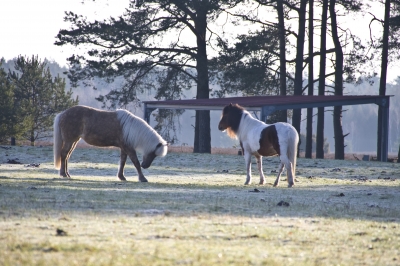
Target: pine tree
[
  {"x": 135, "y": 46},
  {"x": 7, "y": 115},
  {"x": 37, "y": 97}
]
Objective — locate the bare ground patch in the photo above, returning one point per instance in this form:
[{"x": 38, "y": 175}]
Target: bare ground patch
[{"x": 195, "y": 210}]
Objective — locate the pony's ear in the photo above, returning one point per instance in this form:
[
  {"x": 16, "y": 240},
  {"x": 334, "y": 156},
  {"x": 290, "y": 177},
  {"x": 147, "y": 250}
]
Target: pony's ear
[{"x": 230, "y": 105}]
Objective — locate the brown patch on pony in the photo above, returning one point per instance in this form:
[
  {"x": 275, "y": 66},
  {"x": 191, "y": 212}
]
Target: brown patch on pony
[
  {"x": 77, "y": 123},
  {"x": 269, "y": 142}
]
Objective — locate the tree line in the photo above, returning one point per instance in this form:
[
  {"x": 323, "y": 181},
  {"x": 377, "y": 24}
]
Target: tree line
[
  {"x": 172, "y": 45},
  {"x": 253, "y": 63},
  {"x": 30, "y": 97}
]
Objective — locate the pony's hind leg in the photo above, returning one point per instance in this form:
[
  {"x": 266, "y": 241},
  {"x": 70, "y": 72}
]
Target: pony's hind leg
[
  {"x": 122, "y": 162},
  {"x": 66, "y": 151},
  {"x": 68, "y": 156},
  {"x": 289, "y": 170},
  {"x": 289, "y": 173},
  {"x": 280, "y": 169},
  {"x": 260, "y": 169}
]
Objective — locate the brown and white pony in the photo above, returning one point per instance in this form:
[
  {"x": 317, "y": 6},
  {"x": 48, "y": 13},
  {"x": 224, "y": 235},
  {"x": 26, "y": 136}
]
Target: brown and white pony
[
  {"x": 260, "y": 139},
  {"x": 106, "y": 128}
]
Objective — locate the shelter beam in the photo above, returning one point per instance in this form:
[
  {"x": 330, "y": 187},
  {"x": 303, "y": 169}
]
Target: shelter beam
[{"x": 147, "y": 112}]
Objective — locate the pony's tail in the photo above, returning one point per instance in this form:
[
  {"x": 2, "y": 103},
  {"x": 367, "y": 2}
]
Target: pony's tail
[
  {"x": 292, "y": 151},
  {"x": 57, "y": 142}
]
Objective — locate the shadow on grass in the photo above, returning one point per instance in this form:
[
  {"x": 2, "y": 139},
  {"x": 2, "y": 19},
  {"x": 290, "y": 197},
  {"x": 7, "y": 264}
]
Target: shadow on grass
[
  {"x": 196, "y": 184},
  {"x": 24, "y": 196}
]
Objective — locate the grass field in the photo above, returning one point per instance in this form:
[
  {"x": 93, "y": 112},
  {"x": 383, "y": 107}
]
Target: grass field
[{"x": 195, "y": 210}]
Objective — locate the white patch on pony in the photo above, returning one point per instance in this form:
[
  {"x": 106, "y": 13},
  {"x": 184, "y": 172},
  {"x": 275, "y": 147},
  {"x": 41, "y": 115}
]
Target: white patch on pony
[
  {"x": 249, "y": 132},
  {"x": 287, "y": 136},
  {"x": 250, "y": 129},
  {"x": 138, "y": 134}
]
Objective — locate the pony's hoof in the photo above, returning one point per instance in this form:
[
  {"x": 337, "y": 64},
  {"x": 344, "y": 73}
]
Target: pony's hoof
[
  {"x": 122, "y": 178},
  {"x": 144, "y": 180},
  {"x": 290, "y": 185},
  {"x": 261, "y": 183}
]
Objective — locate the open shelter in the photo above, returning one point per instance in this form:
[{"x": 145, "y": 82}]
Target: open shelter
[{"x": 266, "y": 105}]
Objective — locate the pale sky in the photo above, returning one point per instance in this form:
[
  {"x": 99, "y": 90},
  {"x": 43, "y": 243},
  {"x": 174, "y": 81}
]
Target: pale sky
[{"x": 29, "y": 27}]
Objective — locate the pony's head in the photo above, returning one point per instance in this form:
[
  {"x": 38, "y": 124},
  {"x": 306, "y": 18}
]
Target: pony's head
[
  {"x": 140, "y": 136},
  {"x": 160, "y": 150},
  {"x": 230, "y": 120}
]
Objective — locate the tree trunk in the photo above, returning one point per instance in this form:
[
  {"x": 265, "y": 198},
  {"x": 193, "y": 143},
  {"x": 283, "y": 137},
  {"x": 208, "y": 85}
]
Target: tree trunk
[
  {"x": 298, "y": 78},
  {"x": 310, "y": 78},
  {"x": 196, "y": 133},
  {"x": 282, "y": 115},
  {"x": 384, "y": 65},
  {"x": 321, "y": 86},
  {"x": 32, "y": 138},
  {"x": 337, "y": 110},
  {"x": 202, "y": 139}
]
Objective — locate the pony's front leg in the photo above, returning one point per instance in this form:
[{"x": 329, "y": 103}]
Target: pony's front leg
[
  {"x": 280, "y": 169},
  {"x": 260, "y": 169},
  {"x": 132, "y": 155},
  {"x": 122, "y": 162},
  {"x": 247, "y": 158}
]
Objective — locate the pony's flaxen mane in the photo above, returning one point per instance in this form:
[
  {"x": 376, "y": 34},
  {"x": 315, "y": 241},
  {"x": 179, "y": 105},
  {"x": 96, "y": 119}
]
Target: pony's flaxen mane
[
  {"x": 231, "y": 133},
  {"x": 139, "y": 134}
]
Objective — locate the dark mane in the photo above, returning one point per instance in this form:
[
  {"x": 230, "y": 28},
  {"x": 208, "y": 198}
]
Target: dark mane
[{"x": 234, "y": 112}]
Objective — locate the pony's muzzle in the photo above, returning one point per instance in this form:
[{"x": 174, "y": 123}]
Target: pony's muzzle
[
  {"x": 147, "y": 160},
  {"x": 145, "y": 165}
]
